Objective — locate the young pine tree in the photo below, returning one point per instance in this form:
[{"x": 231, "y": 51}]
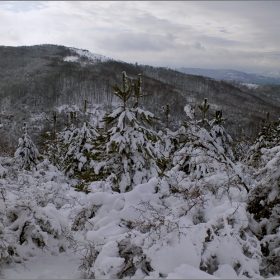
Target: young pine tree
[
  {"x": 27, "y": 153},
  {"x": 128, "y": 154},
  {"x": 264, "y": 197},
  {"x": 203, "y": 161},
  {"x": 219, "y": 134},
  {"x": 77, "y": 158},
  {"x": 204, "y": 108},
  {"x": 268, "y": 137},
  {"x": 78, "y": 145},
  {"x": 52, "y": 142}
]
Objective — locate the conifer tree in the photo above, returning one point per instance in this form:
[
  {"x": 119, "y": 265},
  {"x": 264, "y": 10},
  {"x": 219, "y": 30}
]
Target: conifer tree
[
  {"x": 138, "y": 89},
  {"x": 268, "y": 137},
  {"x": 201, "y": 157},
  {"x": 51, "y": 144},
  {"x": 264, "y": 204},
  {"x": 78, "y": 144},
  {"x": 78, "y": 147},
  {"x": 241, "y": 145},
  {"x": 204, "y": 108},
  {"x": 128, "y": 154},
  {"x": 55, "y": 144},
  {"x": 27, "y": 153},
  {"x": 263, "y": 199},
  {"x": 166, "y": 114},
  {"x": 170, "y": 140},
  {"x": 169, "y": 143},
  {"x": 219, "y": 134}
]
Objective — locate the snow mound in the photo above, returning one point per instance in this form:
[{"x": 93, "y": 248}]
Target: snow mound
[
  {"x": 186, "y": 271},
  {"x": 225, "y": 271},
  {"x": 46, "y": 266}
]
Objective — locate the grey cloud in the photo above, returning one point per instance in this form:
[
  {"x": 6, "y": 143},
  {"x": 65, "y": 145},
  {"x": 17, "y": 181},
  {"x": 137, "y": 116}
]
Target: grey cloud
[
  {"x": 259, "y": 19},
  {"x": 150, "y": 22},
  {"x": 22, "y": 6},
  {"x": 224, "y": 31},
  {"x": 239, "y": 9},
  {"x": 198, "y": 46},
  {"x": 275, "y": 53},
  {"x": 14, "y": 34},
  {"x": 218, "y": 41},
  {"x": 128, "y": 41}
]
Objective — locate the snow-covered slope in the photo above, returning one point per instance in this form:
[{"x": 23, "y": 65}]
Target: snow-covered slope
[{"x": 91, "y": 57}]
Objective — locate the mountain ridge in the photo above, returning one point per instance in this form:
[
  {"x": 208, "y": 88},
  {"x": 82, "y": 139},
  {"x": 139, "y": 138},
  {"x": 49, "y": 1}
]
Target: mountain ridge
[{"x": 230, "y": 75}]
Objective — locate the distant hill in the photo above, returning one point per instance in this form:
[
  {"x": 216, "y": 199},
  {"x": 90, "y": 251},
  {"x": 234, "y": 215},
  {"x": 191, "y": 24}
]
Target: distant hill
[
  {"x": 35, "y": 81},
  {"x": 231, "y": 75}
]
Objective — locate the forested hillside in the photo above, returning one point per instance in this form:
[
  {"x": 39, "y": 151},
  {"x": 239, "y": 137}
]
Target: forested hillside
[
  {"x": 117, "y": 196},
  {"x": 37, "y": 81}
]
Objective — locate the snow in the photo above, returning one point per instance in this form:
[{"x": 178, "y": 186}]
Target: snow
[
  {"x": 168, "y": 257},
  {"x": 250, "y": 85},
  {"x": 3, "y": 171},
  {"x": 47, "y": 266},
  {"x": 67, "y": 107},
  {"x": 189, "y": 111},
  {"x": 70, "y": 58},
  {"x": 89, "y": 55},
  {"x": 225, "y": 271},
  {"x": 185, "y": 271},
  {"x": 108, "y": 263}
]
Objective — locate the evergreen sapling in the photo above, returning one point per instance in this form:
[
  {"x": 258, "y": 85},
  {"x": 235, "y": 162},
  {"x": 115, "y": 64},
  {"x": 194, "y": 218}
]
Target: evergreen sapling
[
  {"x": 128, "y": 154},
  {"x": 27, "y": 153}
]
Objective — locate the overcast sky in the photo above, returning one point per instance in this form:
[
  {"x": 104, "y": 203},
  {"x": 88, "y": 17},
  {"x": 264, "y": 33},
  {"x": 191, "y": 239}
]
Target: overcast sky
[{"x": 224, "y": 34}]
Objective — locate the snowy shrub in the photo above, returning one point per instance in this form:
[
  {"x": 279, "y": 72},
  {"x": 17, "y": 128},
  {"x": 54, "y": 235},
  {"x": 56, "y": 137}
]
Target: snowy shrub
[
  {"x": 268, "y": 138},
  {"x": 222, "y": 138},
  {"x": 205, "y": 164},
  {"x": 29, "y": 216},
  {"x": 43, "y": 227},
  {"x": 3, "y": 171},
  {"x": 230, "y": 241},
  {"x": 117, "y": 230},
  {"x": 8, "y": 247},
  {"x": 264, "y": 204},
  {"x": 151, "y": 231},
  {"x": 168, "y": 144}
]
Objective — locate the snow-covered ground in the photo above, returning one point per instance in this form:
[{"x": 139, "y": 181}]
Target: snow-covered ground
[
  {"x": 47, "y": 263},
  {"x": 47, "y": 266},
  {"x": 66, "y": 266}
]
